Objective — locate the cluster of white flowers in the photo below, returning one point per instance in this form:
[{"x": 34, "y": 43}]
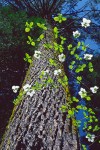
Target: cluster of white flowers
[
  {"x": 15, "y": 88},
  {"x": 27, "y": 88},
  {"x": 94, "y": 89},
  {"x": 61, "y": 57},
  {"x": 37, "y": 54},
  {"x": 88, "y": 56},
  {"x": 90, "y": 137},
  {"x": 57, "y": 72},
  {"x": 82, "y": 93},
  {"x": 85, "y": 23},
  {"x": 76, "y": 34}
]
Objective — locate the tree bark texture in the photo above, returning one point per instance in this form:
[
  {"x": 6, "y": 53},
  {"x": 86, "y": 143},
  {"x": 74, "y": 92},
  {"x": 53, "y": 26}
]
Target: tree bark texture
[{"x": 38, "y": 124}]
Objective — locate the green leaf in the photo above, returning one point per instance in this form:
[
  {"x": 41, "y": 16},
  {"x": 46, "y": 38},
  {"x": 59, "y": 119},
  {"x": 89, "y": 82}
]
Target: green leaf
[
  {"x": 88, "y": 98},
  {"x": 30, "y": 39},
  {"x": 91, "y": 69},
  {"x": 79, "y": 78},
  {"x": 33, "y": 43},
  {"x": 79, "y": 107},
  {"x": 96, "y": 120},
  {"x": 89, "y": 127},
  {"x": 62, "y": 40},
  {"x": 84, "y": 65},
  {"x": 59, "y": 80},
  {"x": 77, "y": 57},
  {"x": 82, "y": 43},
  {"x": 73, "y": 62},
  {"x": 56, "y": 18},
  {"x": 49, "y": 80},
  {"x": 27, "y": 29},
  {"x": 31, "y": 24},
  {"x": 84, "y": 113},
  {"x": 25, "y": 59},
  {"x": 72, "y": 52},
  {"x": 70, "y": 113},
  {"x": 61, "y": 49},
  {"x": 63, "y": 81},
  {"x": 55, "y": 30},
  {"x": 28, "y": 42},
  {"x": 69, "y": 46},
  {"x": 70, "y": 67},
  {"x": 41, "y": 36},
  {"x": 77, "y": 70},
  {"x": 38, "y": 24},
  {"x": 75, "y": 99},
  {"x": 79, "y": 44},
  {"x": 41, "y": 25},
  {"x": 64, "y": 19},
  {"x": 48, "y": 45},
  {"x": 96, "y": 128},
  {"x": 52, "y": 62},
  {"x": 56, "y": 46},
  {"x": 84, "y": 48},
  {"x": 60, "y": 18},
  {"x": 44, "y": 28},
  {"x": 63, "y": 108},
  {"x": 29, "y": 60},
  {"x": 65, "y": 78},
  {"x": 90, "y": 65},
  {"x": 27, "y": 55},
  {"x": 26, "y": 24},
  {"x": 84, "y": 147}
]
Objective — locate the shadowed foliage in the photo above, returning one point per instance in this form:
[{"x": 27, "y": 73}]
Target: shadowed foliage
[{"x": 43, "y": 8}]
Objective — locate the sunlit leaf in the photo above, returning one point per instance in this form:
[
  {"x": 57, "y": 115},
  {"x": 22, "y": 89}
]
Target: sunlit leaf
[{"x": 27, "y": 29}]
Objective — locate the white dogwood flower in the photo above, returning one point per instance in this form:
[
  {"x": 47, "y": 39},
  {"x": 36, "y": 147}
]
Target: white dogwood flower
[
  {"x": 57, "y": 72},
  {"x": 37, "y": 54},
  {"x": 15, "y": 88},
  {"x": 90, "y": 137},
  {"x": 88, "y": 56},
  {"x": 94, "y": 89},
  {"x": 76, "y": 34},
  {"x": 85, "y": 23},
  {"x": 82, "y": 93},
  {"x": 61, "y": 57},
  {"x": 26, "y": 87},
  {"x": 31, "y": 93}
]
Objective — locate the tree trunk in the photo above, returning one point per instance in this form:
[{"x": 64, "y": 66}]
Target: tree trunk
[{"x": 37, "y": 123}]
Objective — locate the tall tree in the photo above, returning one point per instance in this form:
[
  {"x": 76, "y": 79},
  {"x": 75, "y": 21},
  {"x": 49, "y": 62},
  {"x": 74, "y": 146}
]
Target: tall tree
[{"x": 37, "y": 122}]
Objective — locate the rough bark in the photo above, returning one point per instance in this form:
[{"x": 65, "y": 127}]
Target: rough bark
[{"x": 38, "y": 124}]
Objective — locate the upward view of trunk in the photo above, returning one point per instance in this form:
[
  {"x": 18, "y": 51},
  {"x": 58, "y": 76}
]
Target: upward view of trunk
[{"x": 38, "y": 124}]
